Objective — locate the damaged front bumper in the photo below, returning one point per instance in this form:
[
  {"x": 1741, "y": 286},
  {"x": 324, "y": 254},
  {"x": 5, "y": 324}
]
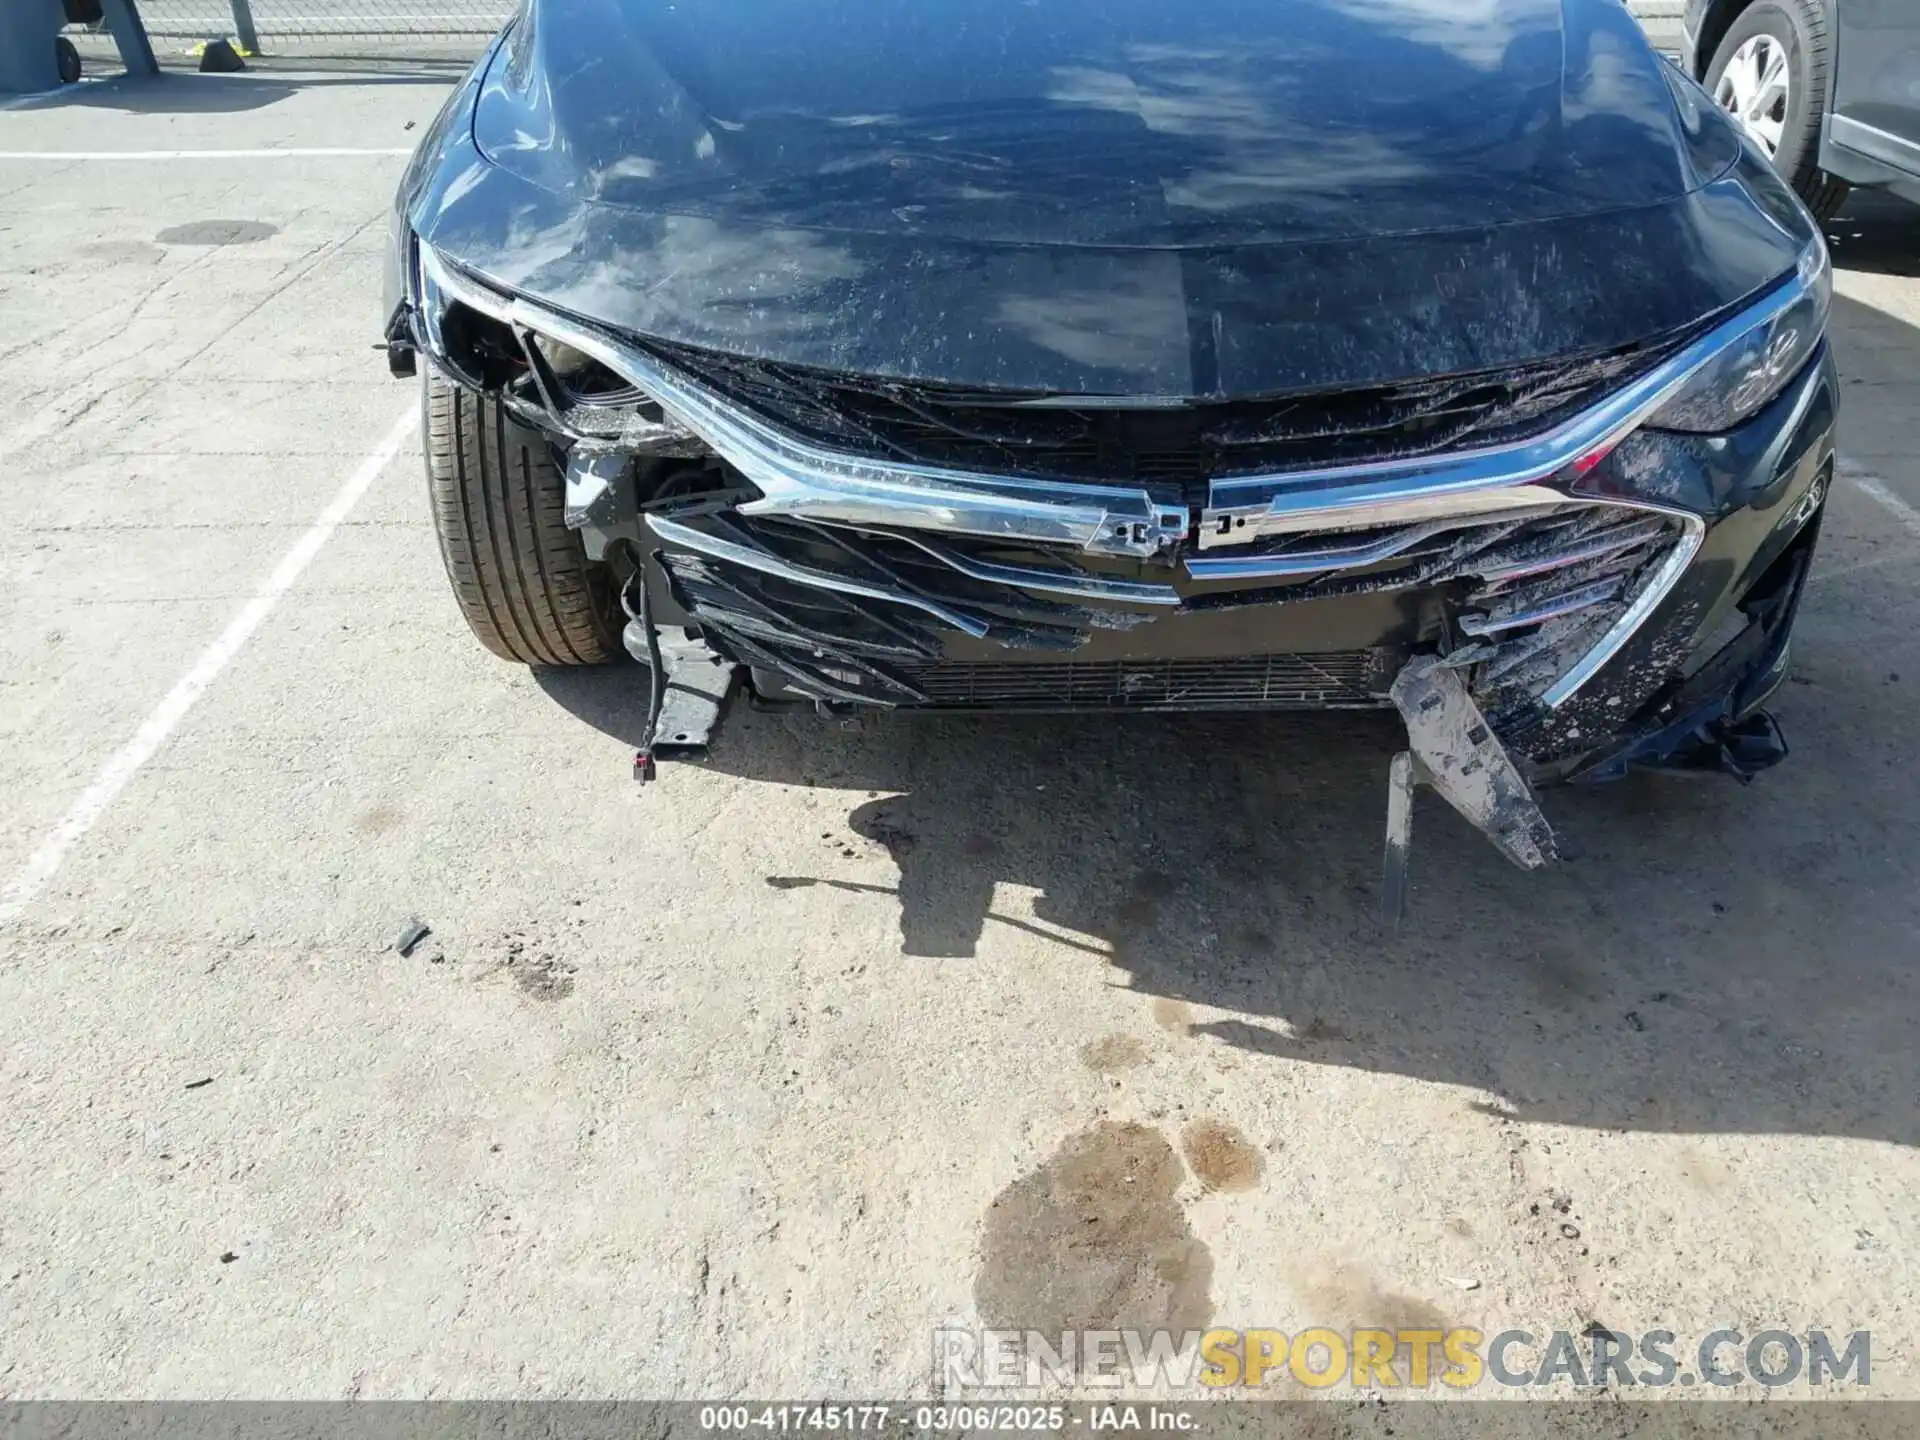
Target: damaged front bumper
[{"x": 1599, "y": 595}]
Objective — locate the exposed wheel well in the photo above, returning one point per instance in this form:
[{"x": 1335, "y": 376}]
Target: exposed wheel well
[{"x": 1714, "y": 24}]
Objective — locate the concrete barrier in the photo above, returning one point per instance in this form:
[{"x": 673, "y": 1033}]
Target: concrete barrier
[{"x": 27, "y": 32}]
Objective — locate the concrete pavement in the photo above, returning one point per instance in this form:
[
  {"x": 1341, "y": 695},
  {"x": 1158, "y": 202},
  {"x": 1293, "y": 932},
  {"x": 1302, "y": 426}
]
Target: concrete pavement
[{"x": 718, "y": 1088}]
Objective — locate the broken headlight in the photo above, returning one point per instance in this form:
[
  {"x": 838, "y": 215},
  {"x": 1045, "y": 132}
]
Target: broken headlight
[{"x": 1759, "y": 361}]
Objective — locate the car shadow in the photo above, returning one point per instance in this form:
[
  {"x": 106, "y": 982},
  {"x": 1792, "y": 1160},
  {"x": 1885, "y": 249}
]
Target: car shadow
[
  {"x": 176, "y": 92},
  {"x": 1876, "y": 233},
  {"x": 1707, "y": 958}
]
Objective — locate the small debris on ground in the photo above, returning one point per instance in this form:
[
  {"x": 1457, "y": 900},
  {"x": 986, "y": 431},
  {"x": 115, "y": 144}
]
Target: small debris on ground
[
  {"x": 416, "y": 931},
  {"x": 197, "y": 1084},
  {"x": 1462, "y": 1282}
]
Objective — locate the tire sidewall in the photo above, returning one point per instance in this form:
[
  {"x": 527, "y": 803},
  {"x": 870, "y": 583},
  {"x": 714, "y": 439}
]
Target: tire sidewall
[{"x": 1799, "y": 154}]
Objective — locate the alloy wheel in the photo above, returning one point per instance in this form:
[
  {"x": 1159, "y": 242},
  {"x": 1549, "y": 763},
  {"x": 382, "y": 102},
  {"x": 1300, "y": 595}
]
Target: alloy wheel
[{"x": 1755, "y": 88}]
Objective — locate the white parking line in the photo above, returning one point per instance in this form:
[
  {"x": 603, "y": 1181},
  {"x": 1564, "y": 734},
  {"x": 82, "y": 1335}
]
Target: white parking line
[
  {"x": 154, "y": 730},
  {"x": 1872, "y": 485},
  {"x": 309, "y": 153}
]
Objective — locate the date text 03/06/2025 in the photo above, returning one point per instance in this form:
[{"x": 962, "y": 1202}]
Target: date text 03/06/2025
[{"x": 940, "y": 1418}]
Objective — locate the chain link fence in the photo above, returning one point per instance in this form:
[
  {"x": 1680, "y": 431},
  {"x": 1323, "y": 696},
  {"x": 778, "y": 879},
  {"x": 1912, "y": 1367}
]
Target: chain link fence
[
  {"x": 282, "y": 20},
  {"x": 347, "y": 28},
  {"x": 263, "y": 25},
  {"x": 1661, "y": 20}
]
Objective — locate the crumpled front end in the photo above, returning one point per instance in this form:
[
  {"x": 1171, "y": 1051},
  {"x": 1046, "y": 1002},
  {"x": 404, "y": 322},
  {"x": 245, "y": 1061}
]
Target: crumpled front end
[
  {"x": 1549, "y": 488},
  {"x": 883, "y": 543}
]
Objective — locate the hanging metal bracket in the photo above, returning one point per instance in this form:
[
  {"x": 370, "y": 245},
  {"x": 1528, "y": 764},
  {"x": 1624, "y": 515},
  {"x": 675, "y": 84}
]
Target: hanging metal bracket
[{"x": 1451, "y": 748}]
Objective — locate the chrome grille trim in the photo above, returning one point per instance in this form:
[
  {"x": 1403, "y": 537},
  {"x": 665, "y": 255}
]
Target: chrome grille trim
[
  {"x": 804, "y": 481},
  {"x": 800, "y": 479},
  {"x": 1693, "y": 531},
  {"x": 1242, "y": 509}
]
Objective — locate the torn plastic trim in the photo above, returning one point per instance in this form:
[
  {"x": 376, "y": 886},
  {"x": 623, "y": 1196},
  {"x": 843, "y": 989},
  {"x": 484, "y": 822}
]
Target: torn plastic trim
[
  {"x": 1693, "y": 534},
  {"x": 1083, "y": 586},
  {"x": 1713, "y": 706},
  {"x": 1565, "y": 602},
  {"x": 720, "y": 548},
  {"x": 1321, "y": 559}
]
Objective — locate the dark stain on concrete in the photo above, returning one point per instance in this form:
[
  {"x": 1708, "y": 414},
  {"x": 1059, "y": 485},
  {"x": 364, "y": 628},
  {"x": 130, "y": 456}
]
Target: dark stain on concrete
[
  {"x": 218, "y": 232},
  {"x": 1340, "y": 1290},
  {"x": 376, "y": 820},
  {"x": 1174, "y": 1015},
  {"x": 1319, "y": 1029},
  {"x": 539, "y": 974},
  {"x": 543, "y": 978},
  {"x": 121, "y": 252},
  {"x": 1111, "y": 1054},
  {"x": 1560, "y": 978},
  {"x": 1093, "y": 1240},
  {"x": 1142, "y": 906},
  {"x": 1221, "y": 1156}
]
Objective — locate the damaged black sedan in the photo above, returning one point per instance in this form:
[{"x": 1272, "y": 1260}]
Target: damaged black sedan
[{"x": 1453, "y": 356}]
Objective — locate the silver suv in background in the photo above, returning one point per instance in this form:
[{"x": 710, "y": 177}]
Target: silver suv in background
[{"x": 1829, "y": 88}]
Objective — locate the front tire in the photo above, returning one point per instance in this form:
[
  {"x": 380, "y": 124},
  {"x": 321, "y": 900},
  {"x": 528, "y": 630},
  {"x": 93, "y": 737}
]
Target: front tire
[
  {"x": 1770, "y": 71},
  {"x": 522, "y": 579}
]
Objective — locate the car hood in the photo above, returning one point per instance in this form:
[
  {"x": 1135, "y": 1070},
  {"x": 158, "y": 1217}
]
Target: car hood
[
  {"x": 1129, "y": 196},
  {"x": 1088, "y": 122}
]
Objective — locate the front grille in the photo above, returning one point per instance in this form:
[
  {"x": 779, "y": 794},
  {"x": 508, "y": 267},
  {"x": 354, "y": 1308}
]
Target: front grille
[
  {"x": 1515, "y": 597},
  {"x": 1346, "y": 678},
  {"x": 1172, "y": 449}
]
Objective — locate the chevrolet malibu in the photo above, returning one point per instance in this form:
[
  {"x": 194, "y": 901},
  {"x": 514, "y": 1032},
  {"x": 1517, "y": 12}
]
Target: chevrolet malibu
[{"x": 1458, "y": 358}]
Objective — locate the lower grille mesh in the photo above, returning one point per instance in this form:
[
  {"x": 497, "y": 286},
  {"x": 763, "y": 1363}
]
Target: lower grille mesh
[{"x": 1273, "y": 682}]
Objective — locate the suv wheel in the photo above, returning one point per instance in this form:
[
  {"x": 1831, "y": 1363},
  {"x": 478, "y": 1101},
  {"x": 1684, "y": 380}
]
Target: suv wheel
[
  {"x": 522, "y": 579},
  {"x": 1770, "y": 72}
]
